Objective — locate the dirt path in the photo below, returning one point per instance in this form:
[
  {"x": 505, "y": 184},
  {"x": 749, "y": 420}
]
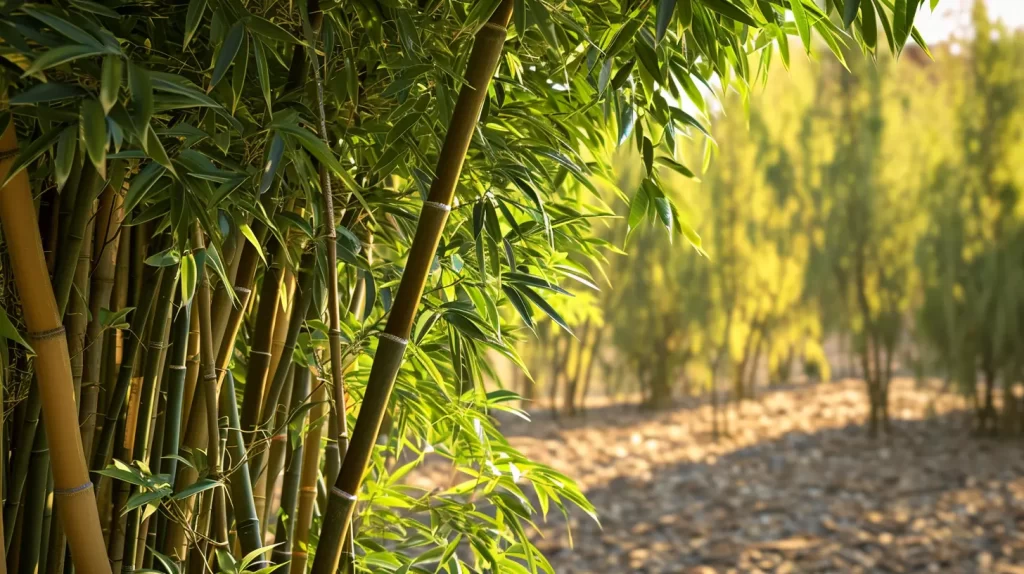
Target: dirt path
[{"x": 797, "y": 487}]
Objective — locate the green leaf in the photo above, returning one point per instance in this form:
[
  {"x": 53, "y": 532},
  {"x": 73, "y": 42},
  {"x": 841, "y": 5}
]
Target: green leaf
[
  {"x": 32, "y": 151},
  {"x": 48, "y": 92},
  {"x": 664, "y": 17},
  {"x": 850, "y": 12},
  {"x": 262, "y": 71},
  {"x": 189, "y": 277},
  {"x": 142, "y": 95},
  {"x": 61, "y": 55},
  {"x": 141, "y": 184},
  {"x": 269, "y": 30},
  {"x": 228, "y": 51},
  {"x": 110, "y": 84},
  {"x": 165, "y": 258},
  {"x": 544, "y": 306},
  {"x": 251, "y": 237},
  {"x": 141, "y": 498},
  {"x": 193, "y": 17},
  {"x": 623, "y": 36},
  {"x": 803, "y": 26},
  {"x": 94, "y": 131},
  {"x": 868, "y": 22},
  {"x": 195, "y": 488},
  {"x": 9, "y": 331},
  {"x": 155, "y": 149},
  {"x": 64, "y": 27},
  {"x": 115, "y": 319},
  {"x": 64, "y": 158},
  {"x": 274, "y": 154},
  {"x": 676, "y": 166},
  {"x": 648, "y": 153},
  {"x": 730, "y": 10},
  {"x": 401, "y": 126}
]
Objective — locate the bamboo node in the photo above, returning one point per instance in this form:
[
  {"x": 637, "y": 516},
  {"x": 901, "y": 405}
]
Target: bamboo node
[
  {"x": 210, "y": 377},
  {"x": 48, "y": 334},
  {"x": 278, "y": 438},
  {"x": 264, "y": 353},
  {"x": 8, "y": 154},
  {"x": 394, "y": 338},
  {"x": 178, "y": 367},
  {"x": 437, "y": 205},
  {"x": 341, "y": 493},
  {"x": 68, "y": 492},
  {"x": 242, "y": 290}
]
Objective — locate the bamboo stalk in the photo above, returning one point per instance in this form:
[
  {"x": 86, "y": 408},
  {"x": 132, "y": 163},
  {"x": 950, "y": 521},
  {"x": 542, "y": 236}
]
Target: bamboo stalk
[
  {"x": 35, "y": 500},
  {"x": 281, "y": 323},
  {"x": 482, "y": 63},
  {"x": 307, "y": 489},
  {"x": 108, "y": 223},
  {"x": 150, "y": 388},
  {"x": 77, "y": 320},
  {"x": 21, "y": 461},
  {"x": 113, "y": 341},
  {"x": 290, "y": 485},
  {"x": 246, "y": 520},
  {"x": 89, "y": 189},
  {"x": 140, "y": 319},
  {"x": 266, "y": 482},
  {"x": 299, "y": 309},
  {"x": 74, "y": 492},
  {"x": 175, "y": 395},
  {"x": 191, "y": 367}
]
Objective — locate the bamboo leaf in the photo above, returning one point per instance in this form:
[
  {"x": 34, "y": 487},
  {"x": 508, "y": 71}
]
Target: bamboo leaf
[
  {"x": 155, "y": 149},
  {"x": 94, "y": 130},
  {"x": 251, "y": 237},
  {"x": 274, "y": 154},
  {"x": 142, "y": 95},
  {"x": 193, "y": 17},
  {"x": 165, "y": 258},
  {"x": 189, "y": 277},
  {"x": 201, "y": 485},
  {"x": 262, "y": 71},
  {"x": 48, "y": 92},
  {"x": 69, "y": 30},
  {"x": 850, "y": 12},
  {"x": 9, "y": 331},
  {"x": 61, "y": 55},
  {"x": 64, "y": 158},
  {"x": 623, "y": 36},
  {"x": 803, "y": 26},
  {"x": 141, "y": 498},
  {"x": 227, "y": 53},
  {"x": 676, "y": 166},
  {"x": 730, "y": 10},
  {"x": 141, "y": 184},
  {"x": 270, "y": 30},
  {"x": 110, "y": 84},
  {"x": 545, "y": 306},
  {"x": 868, "y": 23},
  {"x": 665, "y": 10}
]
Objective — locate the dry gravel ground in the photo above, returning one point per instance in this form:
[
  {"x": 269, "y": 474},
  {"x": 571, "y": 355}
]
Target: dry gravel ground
[{"x": 796, "y": 487}]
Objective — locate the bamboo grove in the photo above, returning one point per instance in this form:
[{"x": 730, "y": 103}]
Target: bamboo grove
[
  {"x": 258, "y": 258},
  {"x": 860, "y": 224}
]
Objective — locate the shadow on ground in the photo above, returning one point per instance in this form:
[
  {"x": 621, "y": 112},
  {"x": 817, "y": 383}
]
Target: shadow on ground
[{"x": 797, "y": 487}]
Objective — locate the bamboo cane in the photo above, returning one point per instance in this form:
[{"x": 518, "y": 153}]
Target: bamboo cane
[
  {"x": 175, "y": 396},
  {"x": 298, "y": 314},
  {"x": 140, "y": 319},
  {"x": 246, "y": 519},
  {"x": 191, "y": 367},
  {"x": 266, "y": 482},
  {"x": 150, "y": 387},
  {"x": 21, "y": 461},
  {"x": 74, "y": 492},
  {"x": 64, "y": 275},
  {"x": 106, "y": 242},
  {"x": 77, "y": 320},
  {"x": 482, "y": 63},
  {"x": 290, "y": 486},
  {"x": 307, "y": 490},
  {"x": 35, "y": 500}
]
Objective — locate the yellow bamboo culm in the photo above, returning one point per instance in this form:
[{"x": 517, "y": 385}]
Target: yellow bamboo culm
[
  {"x": 307, "y": 483},
  {"x": 73, "y": 491}
]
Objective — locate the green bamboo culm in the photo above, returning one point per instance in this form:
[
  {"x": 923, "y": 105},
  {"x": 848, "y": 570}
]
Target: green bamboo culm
[
  {"x": 293, "y": 472},
  {"x": 175, "y": 393},
  {"x": 483, "y": 62},
  {"x": 150, "y": 388},
  {"x": 246, "y": 521},
  {"x": 140, "y": 317}
]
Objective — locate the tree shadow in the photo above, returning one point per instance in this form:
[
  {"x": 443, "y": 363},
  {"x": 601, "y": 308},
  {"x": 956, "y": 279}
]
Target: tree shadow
[{"x": 928, "y": 498}]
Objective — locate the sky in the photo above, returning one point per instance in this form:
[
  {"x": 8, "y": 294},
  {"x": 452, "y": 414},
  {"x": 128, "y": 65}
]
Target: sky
[{"x": 953, "y": 15}]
